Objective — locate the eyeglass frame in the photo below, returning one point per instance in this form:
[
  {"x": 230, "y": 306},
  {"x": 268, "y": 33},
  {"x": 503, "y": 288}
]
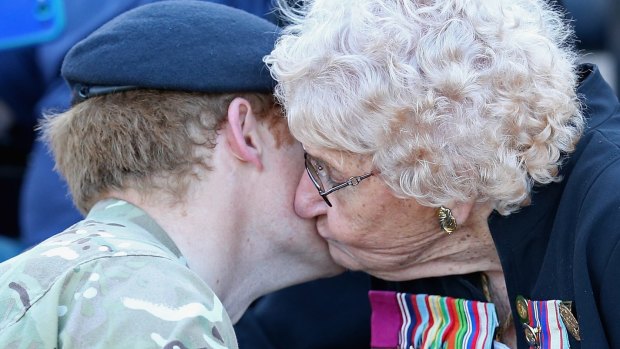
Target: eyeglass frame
[{"x": 352, "y": 181}]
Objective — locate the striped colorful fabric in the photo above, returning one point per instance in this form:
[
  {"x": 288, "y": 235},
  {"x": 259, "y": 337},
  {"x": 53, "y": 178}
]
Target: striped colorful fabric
[
  {"x": 545, "y": 315},
  {"x": 402, "y": 320}
]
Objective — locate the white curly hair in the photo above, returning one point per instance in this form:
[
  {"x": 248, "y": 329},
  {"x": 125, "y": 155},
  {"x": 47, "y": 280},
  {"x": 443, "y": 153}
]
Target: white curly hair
[{"x": 455, "y": 100}]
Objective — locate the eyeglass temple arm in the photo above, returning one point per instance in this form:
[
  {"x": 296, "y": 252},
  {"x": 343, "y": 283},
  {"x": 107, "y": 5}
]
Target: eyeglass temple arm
[{"x": 353, "y": 181}]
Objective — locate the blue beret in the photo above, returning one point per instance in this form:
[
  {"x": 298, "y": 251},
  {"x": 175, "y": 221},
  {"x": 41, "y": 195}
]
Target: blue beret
[{"x": 181, "y": 45}]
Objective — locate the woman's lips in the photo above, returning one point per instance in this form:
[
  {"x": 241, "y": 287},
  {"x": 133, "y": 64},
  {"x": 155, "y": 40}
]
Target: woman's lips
[{"x": 321, "y": 228}]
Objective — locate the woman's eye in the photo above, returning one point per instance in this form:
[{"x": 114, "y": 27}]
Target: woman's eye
[
  {"x": 320, "y": 168},
  {"x": 323, "y": 172}
]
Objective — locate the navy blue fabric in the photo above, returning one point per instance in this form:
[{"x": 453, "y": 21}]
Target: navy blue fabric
[
  {"x": 262, "y": 8},
  {"x": 9, "y": 248},
  {"x": 20, "y": 88},
  {"x": 21, "y": 85},
  {"x": 591, "y": 20},
  {"x": 181, "y": 45},
  {"x": 566, "y": 245},
  {"x": 45, "y": 203},
  {"x": 329, "y": 313}
]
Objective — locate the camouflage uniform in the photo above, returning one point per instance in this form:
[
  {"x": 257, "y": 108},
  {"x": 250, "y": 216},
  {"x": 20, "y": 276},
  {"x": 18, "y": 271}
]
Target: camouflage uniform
[{"x": 114, "y": 280}]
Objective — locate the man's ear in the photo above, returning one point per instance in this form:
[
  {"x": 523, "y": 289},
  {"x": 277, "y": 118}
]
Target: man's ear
[{"x": 241, "y": 133}]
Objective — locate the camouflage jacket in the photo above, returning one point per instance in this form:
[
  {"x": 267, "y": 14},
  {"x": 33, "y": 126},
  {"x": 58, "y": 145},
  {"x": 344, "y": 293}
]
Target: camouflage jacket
[{"x": 114, "y": 280}]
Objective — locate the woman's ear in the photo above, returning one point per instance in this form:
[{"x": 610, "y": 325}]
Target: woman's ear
[
  {"x": 461, "y": 211},
  {"x": 241, "y": 132},
  {"x": 468, "y": 211}
]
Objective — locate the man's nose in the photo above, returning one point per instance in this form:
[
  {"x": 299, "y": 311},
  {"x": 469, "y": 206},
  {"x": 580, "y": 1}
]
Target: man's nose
[{"x": 308, "y": 202}]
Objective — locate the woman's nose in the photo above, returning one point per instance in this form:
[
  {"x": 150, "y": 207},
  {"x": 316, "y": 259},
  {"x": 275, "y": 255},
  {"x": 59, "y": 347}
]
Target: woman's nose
[{"x": 308, "y": 202}]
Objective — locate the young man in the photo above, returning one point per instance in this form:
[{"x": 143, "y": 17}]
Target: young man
[{"x": 177, "y": 152}]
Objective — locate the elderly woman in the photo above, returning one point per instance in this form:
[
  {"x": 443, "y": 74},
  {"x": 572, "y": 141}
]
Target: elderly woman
[{"x": 446, "y": 137}]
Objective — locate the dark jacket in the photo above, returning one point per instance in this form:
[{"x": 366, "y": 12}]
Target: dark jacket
[{"x": 565, "y": 245}]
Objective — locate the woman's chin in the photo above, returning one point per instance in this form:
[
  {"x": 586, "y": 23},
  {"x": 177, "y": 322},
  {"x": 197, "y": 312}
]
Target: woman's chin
[
  {"x": 344, "y": 258},
  {"x": 350, "y": 261}
]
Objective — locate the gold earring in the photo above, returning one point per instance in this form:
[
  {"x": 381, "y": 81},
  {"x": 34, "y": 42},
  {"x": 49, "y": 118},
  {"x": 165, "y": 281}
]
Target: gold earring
[{"x": 447, "y": 222}]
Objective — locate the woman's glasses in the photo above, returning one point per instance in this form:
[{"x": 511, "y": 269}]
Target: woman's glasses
[{"x": 318, "y": 174}]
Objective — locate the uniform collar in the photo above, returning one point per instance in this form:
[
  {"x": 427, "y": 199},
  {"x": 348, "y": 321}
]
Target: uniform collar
[
  {"x": 120, "y": 211},
  {"x": 596, "y": 96}
]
